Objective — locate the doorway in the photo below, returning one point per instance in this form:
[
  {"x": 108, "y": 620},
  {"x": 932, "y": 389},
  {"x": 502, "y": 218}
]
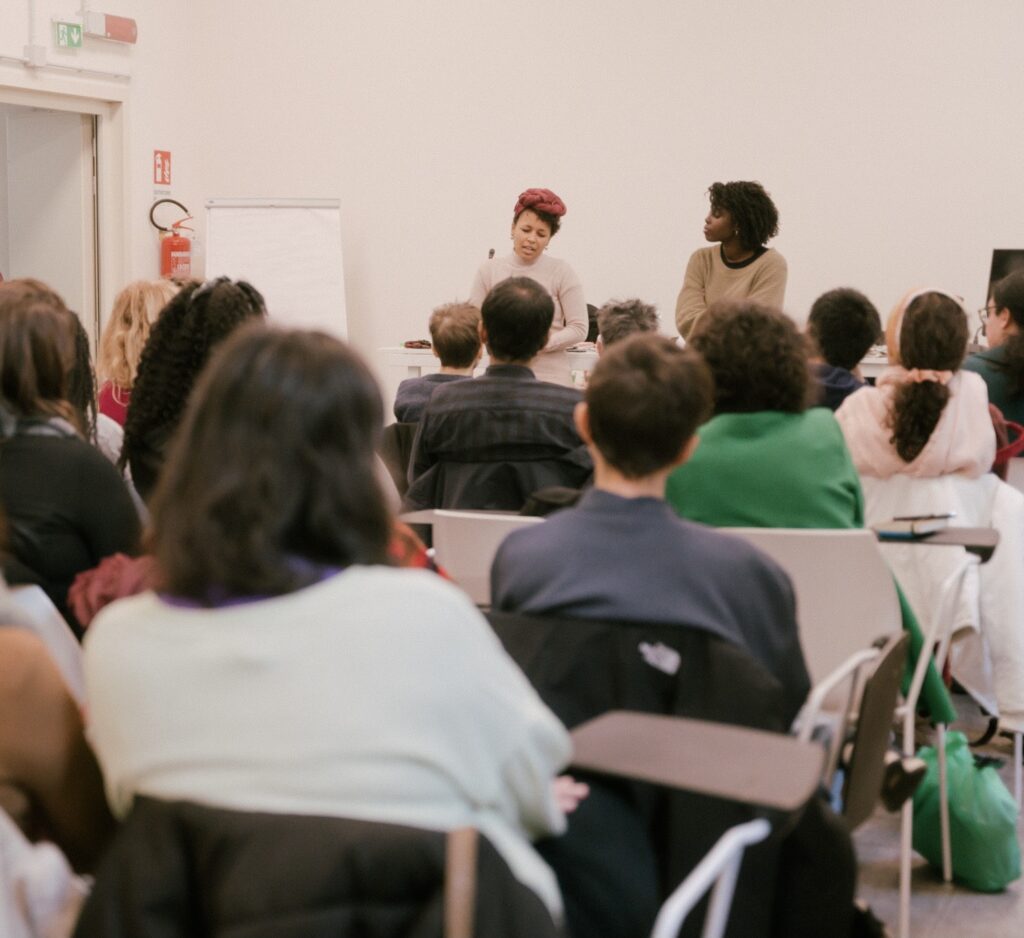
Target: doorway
[
  {"x": 96, "y": 122},
  {"x": 48, "y": 203}
]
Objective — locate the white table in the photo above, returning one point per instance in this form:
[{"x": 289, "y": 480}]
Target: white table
[{"x": 399, "y": 363}]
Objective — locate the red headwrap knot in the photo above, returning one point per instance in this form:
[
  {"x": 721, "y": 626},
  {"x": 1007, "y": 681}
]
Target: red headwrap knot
[{"x": 540, "y": 200}]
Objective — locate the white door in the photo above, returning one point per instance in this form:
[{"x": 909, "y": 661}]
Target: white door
[{"x": 47, "y": 203}]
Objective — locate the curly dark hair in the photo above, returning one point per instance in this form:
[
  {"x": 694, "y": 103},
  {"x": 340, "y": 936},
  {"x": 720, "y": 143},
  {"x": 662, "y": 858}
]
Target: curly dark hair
[
  {"x": 933, "y": 335},
  {"x": 757, "y": 358},
  {"x": 844, "y": 324},
  {"x": 198, "y": 318},
  {"x": 271, "y": 479},
  {"x": 1008, "y": 294},
  {"x": 752, "y": 209}
]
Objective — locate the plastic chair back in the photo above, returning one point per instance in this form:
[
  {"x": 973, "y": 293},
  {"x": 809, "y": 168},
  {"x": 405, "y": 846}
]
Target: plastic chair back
[
  {"x": 396, "y": 451},
  {"x": 465, "y": 543},
  {"x": 845, "y": 594},
  {"x": 866, "y": 765},
  {"x": 717, "y": 871}
]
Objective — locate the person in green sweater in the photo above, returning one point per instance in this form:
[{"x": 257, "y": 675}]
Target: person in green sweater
[{"x": 767, "y": 458}]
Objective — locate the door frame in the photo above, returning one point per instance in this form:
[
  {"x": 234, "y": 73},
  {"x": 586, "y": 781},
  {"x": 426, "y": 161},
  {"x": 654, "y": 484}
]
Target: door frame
[{"x": 107, "y": 107}]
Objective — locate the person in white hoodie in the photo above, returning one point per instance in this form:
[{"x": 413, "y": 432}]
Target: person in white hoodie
[{"x": 284, "y": 666}]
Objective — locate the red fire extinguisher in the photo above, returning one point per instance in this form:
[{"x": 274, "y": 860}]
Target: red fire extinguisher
[{"x": 175, "y": 248}]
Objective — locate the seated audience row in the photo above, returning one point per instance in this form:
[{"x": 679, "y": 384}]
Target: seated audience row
[
  {"x": 274, "y": 660},
  {"x": 66, "y": 505},
  {"x": 490, "y": 442},
  {"x": 767, "y": 458}
]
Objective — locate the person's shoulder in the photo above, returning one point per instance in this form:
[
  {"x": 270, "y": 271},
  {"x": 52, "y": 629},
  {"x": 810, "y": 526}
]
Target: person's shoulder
[
  {"x": 979, "y": 363},
  {"x": 772, "y": 259},
  {"x": 122, "y": 613},
  {"x": 452, "y": 393},
  {"x": 985, "y": 364},
  {"x": 970, "y": 382},
  {"x": 556, "y": 392},
  {"x": 557, "y": 267},
  {"x": 387, "y": 579},
  {"x": 409, "y": 384},
  {"x": 23, "y": 653},
  {"x": 704, "y": 257},
  {"x": 394, "y": 591},
  {"x": 821, "y": 419}
]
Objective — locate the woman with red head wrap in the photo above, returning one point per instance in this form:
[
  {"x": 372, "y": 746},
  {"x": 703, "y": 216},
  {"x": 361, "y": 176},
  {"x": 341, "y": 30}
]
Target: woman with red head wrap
[{"x": 535, "y": 221}]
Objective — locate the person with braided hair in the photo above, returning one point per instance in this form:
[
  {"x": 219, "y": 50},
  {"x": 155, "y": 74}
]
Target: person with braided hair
[
  {"x": 741, "y": 221},
  {"x": 1001, "y": 365},
  {"x": 924, "y": 443},
  {"x": 924, "y": 418},
  {"x": 196, "y": 320},
  {"x": 536, "y": 219}
]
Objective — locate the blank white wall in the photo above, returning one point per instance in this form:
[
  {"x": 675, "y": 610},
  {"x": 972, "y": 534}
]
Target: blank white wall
[{"x": 887, "y": 134}]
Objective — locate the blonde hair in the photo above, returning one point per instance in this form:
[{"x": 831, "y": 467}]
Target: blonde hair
[{"x": 124, "y": 336}]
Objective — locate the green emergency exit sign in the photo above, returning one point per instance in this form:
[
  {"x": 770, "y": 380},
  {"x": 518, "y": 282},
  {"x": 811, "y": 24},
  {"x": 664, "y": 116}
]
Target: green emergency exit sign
[{"x": 68, "y": 35}]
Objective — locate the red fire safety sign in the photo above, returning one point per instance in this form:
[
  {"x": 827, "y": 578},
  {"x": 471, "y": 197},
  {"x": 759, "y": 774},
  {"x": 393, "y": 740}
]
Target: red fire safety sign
[{"x": 162, "y": 167}]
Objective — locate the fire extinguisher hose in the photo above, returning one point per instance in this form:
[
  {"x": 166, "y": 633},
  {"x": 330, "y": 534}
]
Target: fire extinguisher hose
[{"x": 152, "y": 220}]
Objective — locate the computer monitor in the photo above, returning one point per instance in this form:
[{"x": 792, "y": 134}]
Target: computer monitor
[{"x": 1004, "y": 261}]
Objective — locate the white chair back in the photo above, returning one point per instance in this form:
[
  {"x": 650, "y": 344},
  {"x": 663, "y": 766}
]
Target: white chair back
[
  {"x": 845, "y": 594},
  {"x": 465, "y": 543},
  {"x": 719, "y": 870},
  {"x": 42, "y": 617}
]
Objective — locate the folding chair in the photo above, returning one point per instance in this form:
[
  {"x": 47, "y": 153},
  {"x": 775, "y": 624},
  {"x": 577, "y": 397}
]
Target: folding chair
[
  {"x": 465, "y": 543},
  {"x": 846, "y": 597},
  {"x": 717, "y": 872}
]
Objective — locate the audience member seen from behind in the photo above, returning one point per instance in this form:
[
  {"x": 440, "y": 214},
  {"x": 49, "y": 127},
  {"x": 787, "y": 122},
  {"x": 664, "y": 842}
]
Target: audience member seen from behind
[
  {"x": 923, "y": 442},
  {"x": 270, "y": 534},
  {"x": 198, "y": 318},
  {"x": 924, "y": 417},
  {"x": 619, "y": 319},
  {"x": 843, "y": 324},
  {"x": 1001, "y": 365},
  {"x": 50, "y": 784},
  {"x": 623, "y": 554},
  {"x": 67, "y": 507},
  {"x": 491, "y": 442},
  {"x": 124, "y": 336},
  {"x": 536, "y": 218},
  {"x": 766, "y": 459},
  {"x": 742, "y": 220},
  {"x": 455, "y": 341}
]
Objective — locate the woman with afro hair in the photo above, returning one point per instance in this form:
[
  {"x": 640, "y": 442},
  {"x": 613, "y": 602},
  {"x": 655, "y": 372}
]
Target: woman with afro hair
[
  {"x": 535, "y": 221},
  {"x": 741, "y": 221}
]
